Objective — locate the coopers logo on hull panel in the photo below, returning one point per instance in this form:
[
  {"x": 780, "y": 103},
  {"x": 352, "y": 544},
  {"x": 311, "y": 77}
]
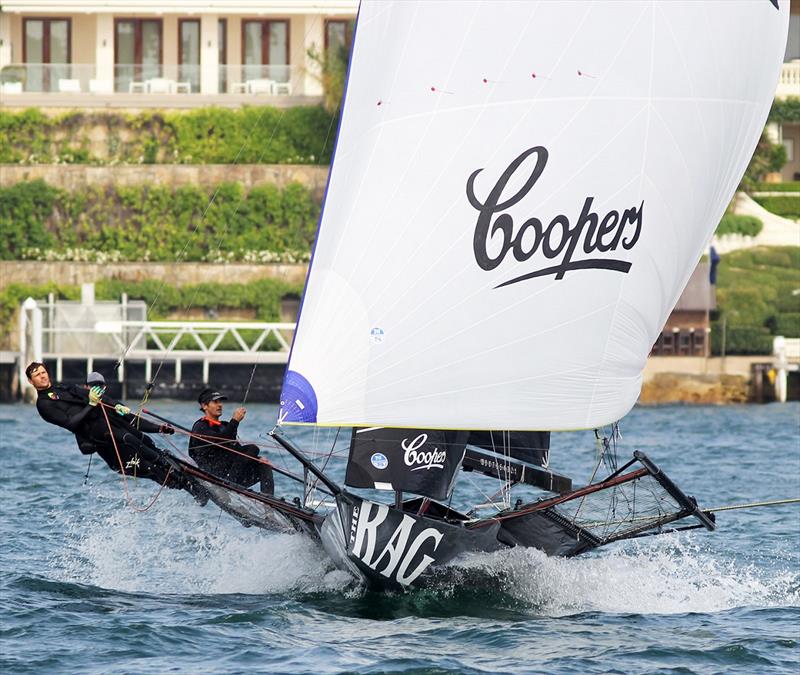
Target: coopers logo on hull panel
[{"x": 560, "y": 241}]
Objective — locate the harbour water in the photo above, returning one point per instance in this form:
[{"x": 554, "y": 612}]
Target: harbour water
[{"x": 87, "y": 585}]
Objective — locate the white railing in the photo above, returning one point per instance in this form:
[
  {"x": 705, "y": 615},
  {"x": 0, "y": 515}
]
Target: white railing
[
  {"x": 66, "y": 331},
  {"x": 789, "y": 82},
  {"x": 149, "y": 79},
  {"x": 238, "y": 341}
]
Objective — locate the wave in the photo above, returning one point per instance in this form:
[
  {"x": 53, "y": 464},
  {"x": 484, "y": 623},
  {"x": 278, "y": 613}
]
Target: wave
[{"x": 669, "y": 575}]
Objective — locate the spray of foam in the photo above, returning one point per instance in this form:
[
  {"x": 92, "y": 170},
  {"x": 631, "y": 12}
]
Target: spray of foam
[
  {"x": 178, "y": 548},
  {"x": 669, "y": 575}
]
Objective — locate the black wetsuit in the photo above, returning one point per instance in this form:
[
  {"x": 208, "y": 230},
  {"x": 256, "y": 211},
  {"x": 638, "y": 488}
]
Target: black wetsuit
[
  {"x": 204, "y": 448},
  {"x": 67, "y": 406}
]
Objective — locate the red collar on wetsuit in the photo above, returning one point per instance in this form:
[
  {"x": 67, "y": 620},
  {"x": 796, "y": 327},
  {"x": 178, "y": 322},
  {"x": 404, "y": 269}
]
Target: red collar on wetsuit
[{"x": 212, "y": 422}]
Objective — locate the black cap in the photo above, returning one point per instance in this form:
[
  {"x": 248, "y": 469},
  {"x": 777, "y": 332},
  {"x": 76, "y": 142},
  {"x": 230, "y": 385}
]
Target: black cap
[{"x": 208, "y": 395}]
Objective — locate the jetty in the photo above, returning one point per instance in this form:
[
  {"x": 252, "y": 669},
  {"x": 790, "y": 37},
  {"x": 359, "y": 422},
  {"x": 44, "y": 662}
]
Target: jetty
[
  {"x": 176, "y": 359},
  {"x": 173, "y": 359}
]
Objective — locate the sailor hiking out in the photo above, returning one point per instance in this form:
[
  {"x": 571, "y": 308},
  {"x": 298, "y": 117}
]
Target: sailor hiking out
[
  {"x": 213, "y": 445},
  {"x": 119, "y": 436}
]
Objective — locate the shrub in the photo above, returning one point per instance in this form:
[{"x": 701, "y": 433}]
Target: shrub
[
  {"x": 788, "y": 297},
  {"x": 787, "y": 186},
  {"x": 155, "y": 223},
  {"x": 24, "y": 210},
  {"x": 786, "y": 324},
  {"x": 767, "y": 157},
  {"x": 740, "y": 339},
  {"x": 781, "y": 206},
  {"x": 754, "y": 289},
  {"x": 298, "y": 135},
  {"x": 732, "y": 223},
  {"x": 785, "y": 110}
]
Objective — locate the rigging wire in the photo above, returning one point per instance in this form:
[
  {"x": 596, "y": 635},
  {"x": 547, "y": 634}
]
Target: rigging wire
[
  {"x": 320, "y": 155},
  {"x": 182, "y": 252},
  {"x": 222, "y": 237},
  {"x": 128, "y": 498},
  {"x": 752, "y": 505}
]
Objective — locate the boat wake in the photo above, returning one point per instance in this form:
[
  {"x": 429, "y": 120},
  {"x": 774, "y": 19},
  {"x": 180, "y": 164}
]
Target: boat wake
[
  {"x": 668, "y": 575},
  {"x": 179, "y": 549}
]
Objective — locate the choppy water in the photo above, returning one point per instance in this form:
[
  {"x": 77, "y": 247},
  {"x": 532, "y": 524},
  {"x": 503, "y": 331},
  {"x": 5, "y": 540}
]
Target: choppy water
[{"x": 89, "y": 586}]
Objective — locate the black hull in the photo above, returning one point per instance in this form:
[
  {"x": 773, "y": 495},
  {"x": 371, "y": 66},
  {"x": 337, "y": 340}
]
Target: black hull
[{"x": 387, "y": 547}]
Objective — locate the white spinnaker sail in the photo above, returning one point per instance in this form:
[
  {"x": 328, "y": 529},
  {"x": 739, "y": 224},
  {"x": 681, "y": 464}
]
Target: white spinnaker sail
[{"x": 609, "y": 136}]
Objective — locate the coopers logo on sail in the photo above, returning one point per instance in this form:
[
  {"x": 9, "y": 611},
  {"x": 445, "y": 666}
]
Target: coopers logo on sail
[
  {"x": 417, "y": 458},
  {"x": 579, "y": 244}
]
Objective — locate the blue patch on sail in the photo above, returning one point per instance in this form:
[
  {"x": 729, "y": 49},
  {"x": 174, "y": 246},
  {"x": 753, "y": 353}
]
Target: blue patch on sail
[{"x": 298, "y": 400}]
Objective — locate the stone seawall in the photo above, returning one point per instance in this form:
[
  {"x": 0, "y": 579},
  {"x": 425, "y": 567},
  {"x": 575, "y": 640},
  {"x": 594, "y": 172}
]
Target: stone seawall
[
  {"x": 76, "y": 176},
  {"x": 688, "y": 379},
  {"x": 176, "y": 274}
]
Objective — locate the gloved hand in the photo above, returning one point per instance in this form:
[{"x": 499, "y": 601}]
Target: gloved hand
[
  {"x": 122, "y": 409},
  {"x": 96, "y": 395},
  {"x": 166, "y": 429}
]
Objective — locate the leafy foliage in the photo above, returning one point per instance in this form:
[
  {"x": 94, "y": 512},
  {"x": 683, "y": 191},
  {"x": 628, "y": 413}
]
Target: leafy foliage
[
  {"x": 785, "y": 110},
  {"x": 782, "y": 206},
  {"x": 755, "y": 297},
  {"x": 732, "y": 223},
  {"x": 332, "y": 65},
  {"x": 298, "y": 135},
  {"x": 767, "y": 158},
  {"x": 152, "y": 222},
  {"x": 786, "y": 186}
]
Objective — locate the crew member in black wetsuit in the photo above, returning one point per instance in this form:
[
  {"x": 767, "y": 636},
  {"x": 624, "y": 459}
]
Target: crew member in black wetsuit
[
  {"x": 77, "y": 409},
  {"x": 210, "y": 439}
]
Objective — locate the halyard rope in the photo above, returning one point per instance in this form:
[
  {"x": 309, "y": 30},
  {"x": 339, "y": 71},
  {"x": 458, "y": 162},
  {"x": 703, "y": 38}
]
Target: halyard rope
[{"x": 133, "y": 506}]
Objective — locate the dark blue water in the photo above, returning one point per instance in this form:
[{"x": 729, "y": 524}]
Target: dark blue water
[{"x": 90, "y": 586}]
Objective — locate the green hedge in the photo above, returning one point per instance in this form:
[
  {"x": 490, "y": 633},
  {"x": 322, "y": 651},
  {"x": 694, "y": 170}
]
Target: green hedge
[
  {"x": 786, "y": 324},
  {"x": 785, "y": 110},
  {"x": 740, "y": 339},
  {"x": 755, "y": 298},
  {"x": 781, "y": 206},
  {"x": 732, "y": 223},
  {"x": 786, "y": 186},
  {"x": 249, "y": 135},
  {"x": 151, "y": 222}
]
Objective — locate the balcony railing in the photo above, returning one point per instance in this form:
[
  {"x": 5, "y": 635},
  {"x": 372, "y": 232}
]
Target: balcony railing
[
  {"x": 789, "y": 82},
  {"x": 130, "y": 78}
]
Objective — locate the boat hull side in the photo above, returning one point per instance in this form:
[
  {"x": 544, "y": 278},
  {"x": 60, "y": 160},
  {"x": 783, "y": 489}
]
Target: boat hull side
[{"x": 389, "y": 549}]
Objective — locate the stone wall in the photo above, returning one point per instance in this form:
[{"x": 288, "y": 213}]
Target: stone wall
[
  {"x": 177, "y": 274},
  {"x": 77, "y": 176}
]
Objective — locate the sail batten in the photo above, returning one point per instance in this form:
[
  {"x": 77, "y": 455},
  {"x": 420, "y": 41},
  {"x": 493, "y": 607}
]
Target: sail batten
[{"x": 519, "y": 194}]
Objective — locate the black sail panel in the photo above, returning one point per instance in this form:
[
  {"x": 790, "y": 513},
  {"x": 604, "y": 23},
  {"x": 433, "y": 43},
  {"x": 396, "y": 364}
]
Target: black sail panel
[
  {"x": 421, "y": 461},
  {"x": 529, "y": 446}
]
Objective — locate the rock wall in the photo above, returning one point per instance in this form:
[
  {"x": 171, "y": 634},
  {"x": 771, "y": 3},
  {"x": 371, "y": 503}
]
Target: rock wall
[
  {"x": 77, "y": 176},
  {"x": 703, "y": 389},
  {"x": 177, "y": 274}
]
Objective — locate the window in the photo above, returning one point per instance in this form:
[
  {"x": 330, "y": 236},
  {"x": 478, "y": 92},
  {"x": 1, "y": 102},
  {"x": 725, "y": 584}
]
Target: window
[
  {"x": 137, "y": 51},
  {"x": 46, "y": 52},
  {"x": 265, "y": 50},
  {"x": 222, "y": 43},
  {"x": 338, "y": 33},
  {"x": 788, "y": 143},
  {"x": 189, "y": 53}
]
